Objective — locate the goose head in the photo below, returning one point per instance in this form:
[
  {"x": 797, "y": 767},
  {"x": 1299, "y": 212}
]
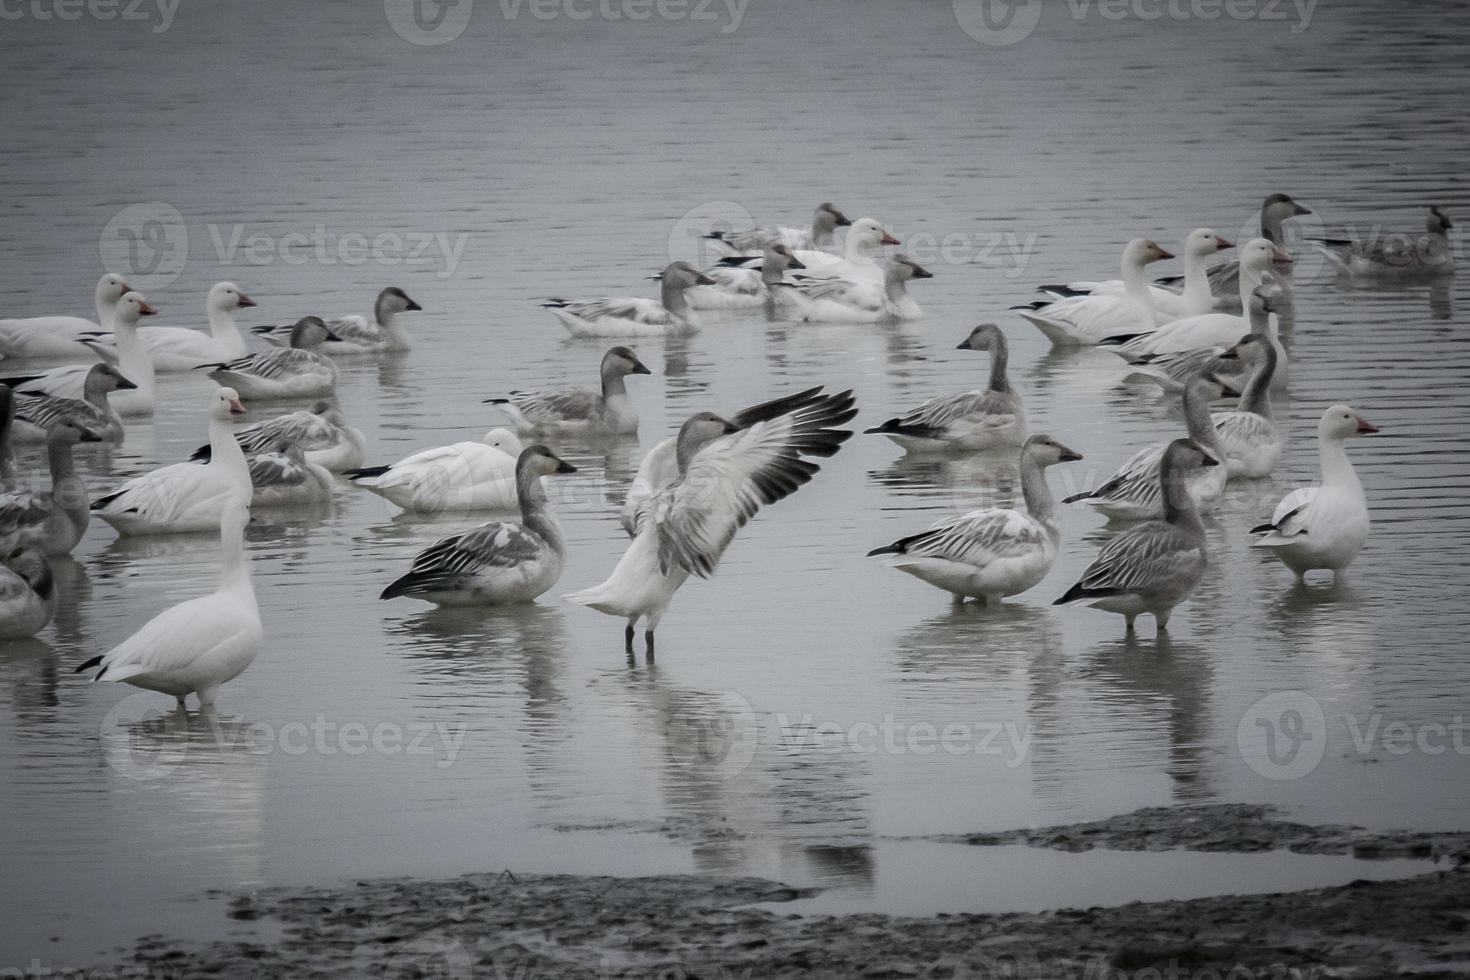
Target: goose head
[
  {"x": 224, "y": 403},
  {"x": 540, "y": 461},
  {"x": 698, "y": 431},
  {"x": 682, "y": 275},
  {"x": 827, "y": 218},
  {"x": 1266, "y": 298},
  {"x": 226, "y": 296},
  {"x": 986, "y": 337},
  {"x": 504, "y": 440},
  {"x": 1260, "y": 254},
  {"x": 901, "y": 268},
  {"x": 309, "y": 332},
  {"x": 104, "y": 378},
  {"x": 110, "y": 288},
  {"x": 1438, "y": 223},
  {"x": 1141, "y": 251},
  {"x": 1253, "y": 349},
  {"x": 330, "y": 413},
  {"x": 69, "y": 432},
  {"x": 1341, "y": 422},
  {"x": 1048, "y": 452},
  {"x": 1183, "y": 455},
  {"x": 1278, "y": 207},
  {"x": 780, "y": 258},
  {"x": 131, "y": 307},
  {"x": 1203, "y": 242},
  {"x": 620, "y": 362},
  {"x": 235, "y": 516},
  {"x": 31, "y": 565},
  {"x": 867, "y": 234},
  {"x": 391, "y": 302},
  {"x": 1206, "y": 386}
]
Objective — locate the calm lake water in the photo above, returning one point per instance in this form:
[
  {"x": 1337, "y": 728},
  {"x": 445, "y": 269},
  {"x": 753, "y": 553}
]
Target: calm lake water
[{"x": 789, "y": 727}]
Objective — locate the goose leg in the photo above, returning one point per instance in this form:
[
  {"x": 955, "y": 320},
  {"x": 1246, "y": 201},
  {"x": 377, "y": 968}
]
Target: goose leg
[
  {"x": 1128, "y": 619},
  {"x": 628, "y": 634},
  {"x": 179, "y": 705},
  {"x": 1162, "y": 619}
]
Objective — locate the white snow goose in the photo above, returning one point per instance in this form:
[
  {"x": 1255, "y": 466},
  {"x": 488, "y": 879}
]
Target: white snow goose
[
  {"x": 70, "y": 381},
  {"x": 463, "y": 476},
  {"x": 853, "y": 300},
  {"x": 60, "y": 336},
  {"x": 1225, "y": 278},
  {"x": 1199, "y": 245},
  {"x": 857, "y": 261},
  {"x": 183, "y": 348},
  {"x": 1081, "y": 321}
]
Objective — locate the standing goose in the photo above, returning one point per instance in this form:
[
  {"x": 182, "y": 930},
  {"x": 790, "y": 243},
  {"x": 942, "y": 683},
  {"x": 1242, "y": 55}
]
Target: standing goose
[
  {"x": 357, "y": 334},
  {"x": 27, "y": 593},
  {"x": 60, "y": 336},
  {"x": 322, "y": 433},
  {"x": 997, "y": 552},
  {"x": 1224, "y": 278},
  {"x": 38, "y": 412},
  {"x": 1132, "y": 493},
  {"x": 855, "y": 300},
  {"x": 1248, "y": 436},
  {"x": 725, "y": 474},
  {"x": 580, "y": 409},
  {"x": 284, "y": 477},
  {"x": 1152, "y": 567},
  {"x": 1079, "y": 321},
  {"x": 131, "y": 359},
  {"x": 200, "y": 644},
  {"x": 632, "y": 316},
  {"x": 298, "y": 371},
  {"x": 499, "y": 562},
  {"x": 970, "y": 421},
  {"x": 462, "y": 476},
  {"x": 183, "y": 348},
  {"x": 53, "y": 520},
  {"x": 1401, "y": 257},
  {"x": 1323, "y": 526},
  {"x": 1199, "y": 245},
  {"x": 185, "y": 496},
  {"x": 738, "y": 288},
  {"x": 825, "y": 222}
]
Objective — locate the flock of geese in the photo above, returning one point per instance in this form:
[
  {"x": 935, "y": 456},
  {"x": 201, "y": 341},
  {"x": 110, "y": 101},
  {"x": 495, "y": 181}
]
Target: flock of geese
[{"x": 1215, "y": 333}]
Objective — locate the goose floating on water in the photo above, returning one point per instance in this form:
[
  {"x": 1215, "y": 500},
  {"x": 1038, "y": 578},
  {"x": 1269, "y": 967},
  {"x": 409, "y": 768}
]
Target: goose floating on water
[
  {"x": 61, "y": 336},
  {"x": 634, "y": 316},
  {"x": 1248, "y": 436},
  {"x": 127, "y": 353},
  {"x": 27, "y": 593},
  {"x": 53, "y": 520},
  {"x": 298, "y": 371},
  {"x": 459, "y": 477},
  {"x": 1081, "y": 321},
  {"x": 38, "y": 412},
  {"x": 608, "y": 410},
  {"x": 1199, "y": 245},
  {"x": 356, "y": 334},
  {"x": 284, "y": 477},
  {"x": 1224, "y": 278},
  {"x": 739, "y": 288},
  {"x": 183, "y": 349},
  {"x": 854, "y": 301},
  {"x": 1401, "y": 257},
  {"x": 322, "y": 433},
  {"x": 825, "y": 221}
]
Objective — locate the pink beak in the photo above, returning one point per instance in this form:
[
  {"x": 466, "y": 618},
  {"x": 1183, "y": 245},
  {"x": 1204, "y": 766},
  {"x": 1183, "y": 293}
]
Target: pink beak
[
  {"x": 888, "y": 239},
  {"x": 1163, "y": 254},
  {"x": 1280, "y": 257},
  {"x": 236, "y": 408},
  {"x": 1365, "y": 427},
  {"x": 1222, "y": 243},
  {"x": 145, "y": 310},
  {"x": 245, "y": 300}
]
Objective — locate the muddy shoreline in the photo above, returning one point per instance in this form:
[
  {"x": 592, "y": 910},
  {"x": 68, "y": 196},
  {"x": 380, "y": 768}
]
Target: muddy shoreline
[{"x": 562, "y": 926}]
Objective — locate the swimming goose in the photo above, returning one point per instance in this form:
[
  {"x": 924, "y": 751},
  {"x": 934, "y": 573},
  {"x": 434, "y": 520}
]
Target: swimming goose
[
  {"x": 580, "y": 409},
  {"x": 1248, "y": 436},
  {"x": 284, "y": 477},
  {"x": 1225, "y": 277},
  {"x": 1323, "y": 526},
  {"x": 459, "y": 477},
  {"x": 1132, "y": 493},
  {"x": 1079, "y": 321},
  {"x": 322, "y": 433},
  {"x": 1173, "y": 370},
  {"x": 59, "y": 336},
  {"x": 499, "y": 562},
  {"x": 857, "y": 262},
  {"x": 854, "y": 301},
  {"x": 357, "y": 334},
  {"x": 200, "y": 644},
  {"x": 27, "y": 593},
  {"x": 725, "y": 474},
  {"x": 37, "y": 412},
  {"x": 825, "y": 221},
  {"x": 1152, "y": 567},
  {"x": 1257, "y": 258},
  {"x": 53, "y": 520},
  {"x": 183, "y": 348},
  {"x": 997, "y": 552},
  {"x": 127, "y": 351},
  {"x": 736, "y": 288},
  {"x": 1199, "y": 245},
  {"x": 185, "y": 496},
  {"x": 970, "y": 421},
  {"x": 1404, "y": 256},
  {"x": 298, "y": 371},
  {"x": 628, "y": 316}
]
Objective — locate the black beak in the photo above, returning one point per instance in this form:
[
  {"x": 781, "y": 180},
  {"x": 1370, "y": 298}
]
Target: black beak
[
  {"x": 1230, "y": 354},
  {"x": 792, "y": 262},
  {"x": 640, "y": 368},
  {"x": 922, "y": 273},
  {"x": 1068, "y": 456},
  {"x": 332, "y": 336},
  {"x": 963, "y": 345},
  {"x": 1300, "y": 208},
  {"x": 842, "y": 221},
  {"x": 731, "y": 427},
  {"x": 89, "y": 436},
  {"x": 1209, "y": 460},
  {"x": 700, "y": 279},
  {"x": 562, "y": 466},
  {"x": 123, "y": 384},
  {"x": 412, "y": 307}
]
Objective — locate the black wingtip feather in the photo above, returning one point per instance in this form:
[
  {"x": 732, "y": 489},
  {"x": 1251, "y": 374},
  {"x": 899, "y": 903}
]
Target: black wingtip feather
[
  {"x": 1084, "y": 495},
  {"x": 361, "y": 472},
  {"x": 1262, "y": 529}
]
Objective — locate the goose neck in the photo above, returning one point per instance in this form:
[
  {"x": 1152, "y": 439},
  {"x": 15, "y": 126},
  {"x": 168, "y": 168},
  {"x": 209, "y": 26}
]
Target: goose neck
[
  {"x": 1040, "y": 503},
  {"x": 1198, "y": 423},
  {"x": 999, "y": 357},
  {"x": 1135, "y": 287},
  {"x": 1178, "y": 505},
  {"x": 132, "y": 359},
  {"x": 1197, "y": 280},
  {"x": 671, "y": 294},
  {"x": 535, "y": 514},
  {"x": 1257, "y": 394},
  {"x": 226, "y": 453},
  {"x": 1337, "y": 469},
  {"x": 222, "y": 327}
]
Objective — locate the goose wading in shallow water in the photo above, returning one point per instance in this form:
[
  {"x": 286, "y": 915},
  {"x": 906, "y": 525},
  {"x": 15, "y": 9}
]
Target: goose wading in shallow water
[
  {"x": 1323, "y": 526},
  {"x": 38, "y": 412},
  {"x": 1081, "y": 321},
  {"x": 739, "y": 288},
  {"x": 854, "y": 301},
  {"x": 298, "y": 371},
  {"x": 1224, "y": 278},
  {"x": 322, "y": 433},
  {"x": 53, "y": 520},
  {"x": 580, "y": 409},
  {"x": 996, "y": 552},
  {"x": 200, "y": 644},
  {"x": 185, "y": 496},
  {"x": 27, "y": 593},
  {"x": 1248, "y": 436},
  {"x": 59, "y": 336},
  {"x": 726, "y": 474},
  {"x": 183, "y": 349},
  {"x": 1154, "y": 566},
  {"x": 1132, "y": 493},
  {"x": 1401, "y": 257},
  {"x": 857, "y": 262},
  {"x": 383, "y": 334},
  {"x": 633, "y": 316},
  {"x": 284, "y": 477},
  {"x": 462, "y": 476},
  {"x": 499, "y": 562},
  {"x": 970, "y": 421},
  {"x": 1173, "y": 370},
  {"x": 825, "y": 221},
  {"x": 1196, "y": 298},
  {"x": 131, "y": 359}
]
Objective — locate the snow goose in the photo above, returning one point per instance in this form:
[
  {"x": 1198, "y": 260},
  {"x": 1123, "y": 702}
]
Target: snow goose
[
  {"x": 634, "y": 316},
  {"x": 298, "y": 371},
  {"x": 738, "y": 288},
  {"x": 1256, "y": 260},
  {"x": 284, "y": 477},
  {"x": 70, "y": 381},
  {"x": 1249, "y": 438},
  {"x": 854, "y": 301},
  {"x": 322, "y": 433},
  {"x": 38, "y": 412},
  {"x": 27, "y": 593},
  {"x": 1173, "y": 370},
  {"x": 1199, "y": 245},
  {"x": 1152, "y": 567},
  {"x": 825, "y": 222},
  {"x": 357, "y": 334},
  {"x": 53, "y": 520},
  {"x": 459, "y": 477},
  {"x": 1225, "y": 277},
  {"x": 1132, "y": 493},
  {"x": 185, "y": 496},
  {"x": 580, "y": 409},
  {"x": 1079, "y": 321},
  {"x": 59, "y": 336},
  {"x": 970, "y": 421},
  {"x": 856, "y": 262},
  {"x": 499, "y": 562},
  {"x": 725, "y": 474},
  {"x": 997, "y": 552},
  {"x": 183, "y": 349},
  {"x": 1323, "y": 526},
  {"x": 1401, "y": 257},
  {"x": 202, "y": 643}
]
